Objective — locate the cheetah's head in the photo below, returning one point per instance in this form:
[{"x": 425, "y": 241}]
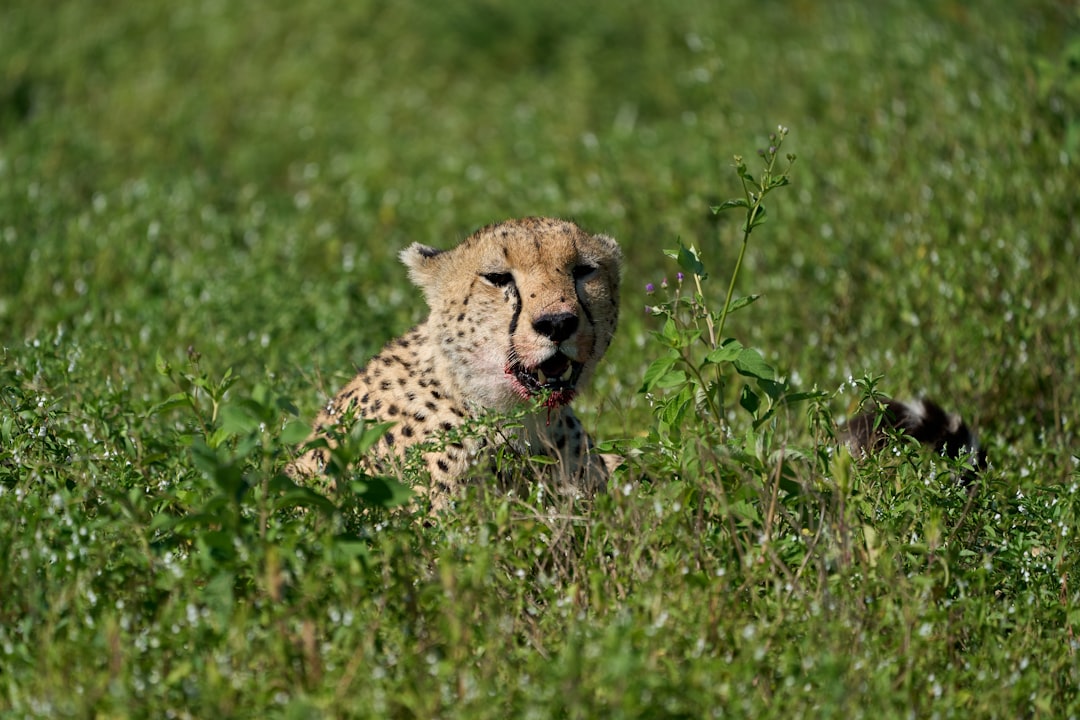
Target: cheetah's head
[{"x": 521, "y": 309}]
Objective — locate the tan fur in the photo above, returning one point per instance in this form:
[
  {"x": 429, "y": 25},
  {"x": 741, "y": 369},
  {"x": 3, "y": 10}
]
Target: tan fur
[{"x": 523, "y": 295}]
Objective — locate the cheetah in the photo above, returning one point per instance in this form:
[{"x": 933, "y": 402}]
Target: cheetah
[{"x": 520, "y": 310}]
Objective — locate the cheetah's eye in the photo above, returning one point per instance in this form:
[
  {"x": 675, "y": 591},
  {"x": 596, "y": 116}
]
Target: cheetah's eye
[
  {"x": 581, "y": 272},
  {"x": 498, "y": 279}
]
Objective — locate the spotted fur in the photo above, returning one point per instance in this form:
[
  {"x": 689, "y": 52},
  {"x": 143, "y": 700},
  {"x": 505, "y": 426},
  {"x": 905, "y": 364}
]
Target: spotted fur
[{"x": 519, "y": 310}]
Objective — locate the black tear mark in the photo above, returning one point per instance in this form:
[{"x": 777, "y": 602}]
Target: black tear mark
[{"x": 514, "y": 318}]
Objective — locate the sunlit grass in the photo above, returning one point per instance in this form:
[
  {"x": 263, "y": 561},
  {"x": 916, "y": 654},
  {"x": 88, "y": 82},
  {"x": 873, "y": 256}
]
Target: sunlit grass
[{"x": 227, "y": 186}]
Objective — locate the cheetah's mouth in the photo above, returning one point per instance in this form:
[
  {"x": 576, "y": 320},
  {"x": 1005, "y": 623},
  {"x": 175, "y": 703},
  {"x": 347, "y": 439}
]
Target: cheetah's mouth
[{"x": 558, "y": 375}]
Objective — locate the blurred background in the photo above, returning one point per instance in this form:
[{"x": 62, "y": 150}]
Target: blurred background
[{"x": 238, "y": 177}]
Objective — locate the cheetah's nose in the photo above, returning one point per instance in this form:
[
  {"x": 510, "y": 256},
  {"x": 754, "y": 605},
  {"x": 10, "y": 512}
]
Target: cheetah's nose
[{"x": 556, "y": 326}]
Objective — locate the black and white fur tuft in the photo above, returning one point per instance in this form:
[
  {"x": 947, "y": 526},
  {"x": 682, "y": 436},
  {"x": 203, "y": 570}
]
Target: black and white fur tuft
[{"x": 925, "y": 421}]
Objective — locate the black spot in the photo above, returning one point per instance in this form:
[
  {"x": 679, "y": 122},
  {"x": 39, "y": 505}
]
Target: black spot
[
  {"x": 410, "y": 396},
  {"x": 447, "y": 427},
  {"x": 560, "y": 441},
  {"x": 392, "y": 410},
  {"x": 443, "y": 465},
  {"x": 407, "y": 430},
  {"x": 385, "y": 384},
  {"x": 376, "y": 406},
  {"x": 419, "y": 416},
  {"x": 443, "y": 487},
  {"x": 435, "y": 394},
  {"x": 389, "y": 438},
  {"x": 364, "y": 400},
  {"x": 431, "y": 406},
  {"x": 349, "y": 394},
  {"x": 461, "y": 317},
  {"x": 387, "y": 360}
]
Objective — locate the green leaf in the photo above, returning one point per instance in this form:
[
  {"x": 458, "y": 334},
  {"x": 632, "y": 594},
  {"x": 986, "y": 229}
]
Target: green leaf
[
  {"x": 741, "y": 302},
  {"x": 674, "y": 378},
  {"x": 759, "y": 217},
  {"x": 382, "y": 492},
  {"x": 727, "y": 352},
  {"x": 670, "y": 332},
  {"x": 775, "y": 390},
  {"x": 689, "y": 261},
  {"x": 749, "y": 400},
  {"x": 728, "y": 204},
  {"x": 674, "y": 411},
  {"x": 750, "y": 363},
  {"x": 291, "y": 495},
  {"x": 779, "y": 182},
  {"x": 797, "y": 397},
  {"x": 174, "y": 401},
  {"x": 658, "y": 369},
  {"x": 294, "y": 432},
  {"x": 371, "y": 434},
  {"x": 543, "y": 460},
  {"x": 236, "y": 419}
]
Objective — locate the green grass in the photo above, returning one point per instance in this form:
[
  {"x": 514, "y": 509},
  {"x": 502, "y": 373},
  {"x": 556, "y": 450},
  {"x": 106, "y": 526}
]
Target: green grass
[{"x": 189, "y": 188}]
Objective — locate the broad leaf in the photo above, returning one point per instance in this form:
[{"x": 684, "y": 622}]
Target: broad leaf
[{"x": 750, "y": 363}]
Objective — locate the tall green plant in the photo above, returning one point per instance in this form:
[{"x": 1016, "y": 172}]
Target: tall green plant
[
  {"x": 698, "y": 371},
  {"x": 715, "y": 399}
]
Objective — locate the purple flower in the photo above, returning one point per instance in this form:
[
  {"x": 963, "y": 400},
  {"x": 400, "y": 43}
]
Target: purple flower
[
  {"x": 649, "y": 289},
  {"x": 679, "y": 276}
]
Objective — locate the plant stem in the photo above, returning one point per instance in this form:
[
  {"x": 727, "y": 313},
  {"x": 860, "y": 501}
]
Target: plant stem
[
  {"x": 708, "y": 315},
  {"x": 734, "y": 276}
]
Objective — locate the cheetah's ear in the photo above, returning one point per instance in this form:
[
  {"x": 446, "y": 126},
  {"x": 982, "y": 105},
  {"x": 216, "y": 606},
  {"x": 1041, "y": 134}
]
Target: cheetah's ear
[{"x": 423, "y": 263}]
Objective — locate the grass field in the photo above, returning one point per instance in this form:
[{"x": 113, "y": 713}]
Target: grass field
[{"x": 201, "y": 206}]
